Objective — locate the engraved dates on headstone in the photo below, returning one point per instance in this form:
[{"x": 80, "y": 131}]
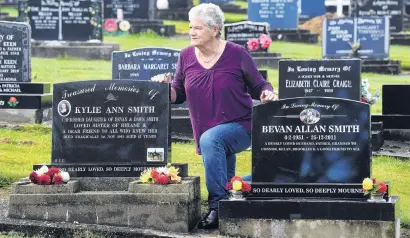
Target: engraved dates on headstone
[
  {"x": 277, "y": 13},
  {"x": 104, "y": 121},
  {"x": 311, "y": 140},
  {"x": 325, "y": 78},
  {"x": 15, "y": 52}
]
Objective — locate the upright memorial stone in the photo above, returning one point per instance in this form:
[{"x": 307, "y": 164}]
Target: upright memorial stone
[
  {"x": 15, "y": 52},
  {"x": 283, "y": 20},
  {"x": 143, "y": 63},
  {"x": 320, "y": 78},
  {"x": 107, "y": 128},
  {"x": 241, "y": 32},
  {"x": 394, "y": 9},
  {"x": 310, "y": 147},
  {"x": 78, "y": 20},
  {"x": 367, "y": 38},
  {"x": 278, "y": 14},
  {"x": 16, "y": 90},
  {"x": 132, "y": 9}
]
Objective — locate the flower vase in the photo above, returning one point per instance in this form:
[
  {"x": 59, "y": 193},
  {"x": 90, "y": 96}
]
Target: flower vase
[
  {"x": 376, "y": 197},
  {"x": 236, "y": 195}
]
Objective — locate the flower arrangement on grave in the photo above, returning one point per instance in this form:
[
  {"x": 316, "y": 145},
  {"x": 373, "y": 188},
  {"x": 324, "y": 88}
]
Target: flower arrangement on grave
[
  {"x": 371, "y": 186},
  {"x": 116, "y": 27},
  {"x": 161, "y": 175},
  {"x": 263, "y": 42},
  {"x": 366, "y": 95},
  {"x": 49, "y": 176},
  {"x": 237, "y": 184}
]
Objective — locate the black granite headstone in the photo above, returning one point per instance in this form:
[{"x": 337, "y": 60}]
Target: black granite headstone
[
  {"x": 241, "y": 32},
  {"x": 15, "y": 52},
  {"x": 324, "y": 78},
  {"x": 68, "y": 20},
  {"x": 310, "y": 147},
  {"x": 391, "y": 8},
  {"x": 132, "y": 9},
  {"x": 395, "y": 99},
  {"x": 143, "y": 63},
  {"x": 100, "y": 122}
]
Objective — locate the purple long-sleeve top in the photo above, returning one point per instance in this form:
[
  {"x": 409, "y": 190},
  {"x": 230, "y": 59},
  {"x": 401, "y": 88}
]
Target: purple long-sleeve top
[{"x": 220, "y": 94}]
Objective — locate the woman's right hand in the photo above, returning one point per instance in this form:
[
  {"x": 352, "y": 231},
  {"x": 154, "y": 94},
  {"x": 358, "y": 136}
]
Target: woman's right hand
[{"x": 162, "y": 78}]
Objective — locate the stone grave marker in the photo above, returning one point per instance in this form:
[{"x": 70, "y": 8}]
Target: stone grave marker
[
  {"x": 100, "y": 123},
  {"x": 144, "y": 63},
  {"x": 16, "y": 90},
  {"x": 394, "y": 9},
  {"x": 371, "y": 33},
  {"x": 15, "y": 52},
  {"x": 320, "y": 78},
  {"x": 310, "y": 147},
  {"x": 132, "y": 9},
  {"x": 241, "y": 32},
  {"x": 66, "y": 20},
  {"x": 277, "y": 13}
]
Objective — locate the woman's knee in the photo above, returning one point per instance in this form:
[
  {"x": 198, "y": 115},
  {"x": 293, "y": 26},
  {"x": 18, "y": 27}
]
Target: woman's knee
[{"x": 209, "y": 140}]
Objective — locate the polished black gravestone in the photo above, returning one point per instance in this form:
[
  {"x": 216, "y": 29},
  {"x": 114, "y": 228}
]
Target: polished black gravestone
[
  {"x": 16, "y": 91},
  {"x": 321, "y": 78},
  {"x": 144, "y": 63},
  {"x": 78, "y": 20},
  {"x": 106, "y": 124},
  {"x": 15, "y": 63},
  {"x": 241, "y": 32},
  {"x": 310, "y": 147}
]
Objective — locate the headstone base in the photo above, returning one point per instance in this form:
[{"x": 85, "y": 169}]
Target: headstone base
[
  {"x": 143, "y": 206},
  {"x": 400, "y": 39},
  {"x": 157, "y": 26},
  {"x": 25, "y": 115},
  {"x": 266, "y": 59},
  {"x": 396, "y": 149},
  {"x": 377, "y": 136},
  {"x": 309, "y": 218},
  {"x": 302, "y": 36},
  {"x": 76, "y": 49},
  {"x": 393, "y": 122},
  {"x": 181, "y": 127},
  {"x": 381, "y": 66},
  {"x": 111, "y": 169}
]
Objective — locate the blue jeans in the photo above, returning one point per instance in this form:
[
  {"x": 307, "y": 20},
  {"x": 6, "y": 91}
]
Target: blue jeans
[{"x": 218, "y": 147}]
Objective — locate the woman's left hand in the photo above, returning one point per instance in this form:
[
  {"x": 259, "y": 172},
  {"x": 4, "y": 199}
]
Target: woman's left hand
[{"x": 267, "y": 96}]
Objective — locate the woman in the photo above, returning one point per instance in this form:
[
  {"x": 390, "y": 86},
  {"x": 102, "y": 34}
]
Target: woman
[{"x": 213, "y": 76}]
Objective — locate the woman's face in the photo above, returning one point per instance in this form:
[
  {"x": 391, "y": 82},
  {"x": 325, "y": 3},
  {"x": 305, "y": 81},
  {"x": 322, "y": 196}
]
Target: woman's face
[
  {"x": 63, "y": 107},
  {"x": 200, "y": 33}
]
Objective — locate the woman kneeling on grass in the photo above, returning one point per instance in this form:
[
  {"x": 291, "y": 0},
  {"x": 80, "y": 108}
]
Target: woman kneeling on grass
[{"x": 214, "y": 77}]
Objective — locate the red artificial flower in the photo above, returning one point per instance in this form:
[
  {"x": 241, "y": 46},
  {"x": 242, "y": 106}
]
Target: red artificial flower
[
  {"x": 52, "y": 171},
  {"x": 154, "y": 174},
  {"x": 44, "y": 179},
  {"x": 236, "y": 178},
  {"x": 246, "y": 187},
  {"x": 374, "y": 180},
  {"x": 33, "y": 177},
  {"x": 362, "y": 99},
  {"x": 58, "y": 179},
  {"x": 383, "y": 187},
  {"x": 13, "y": 99},
  {"x": 228, "y": 186},
  {"x": 110, "y": 25},
  {"x": 253, "y": 44},
  {"x": 162, "y": 179}
]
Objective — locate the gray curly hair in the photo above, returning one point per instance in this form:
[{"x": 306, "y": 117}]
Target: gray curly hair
[{"x": 210, "y": 14}]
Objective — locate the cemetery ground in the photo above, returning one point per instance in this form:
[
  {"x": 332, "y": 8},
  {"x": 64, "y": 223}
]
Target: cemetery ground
[{"x": 23, "y": 146}]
